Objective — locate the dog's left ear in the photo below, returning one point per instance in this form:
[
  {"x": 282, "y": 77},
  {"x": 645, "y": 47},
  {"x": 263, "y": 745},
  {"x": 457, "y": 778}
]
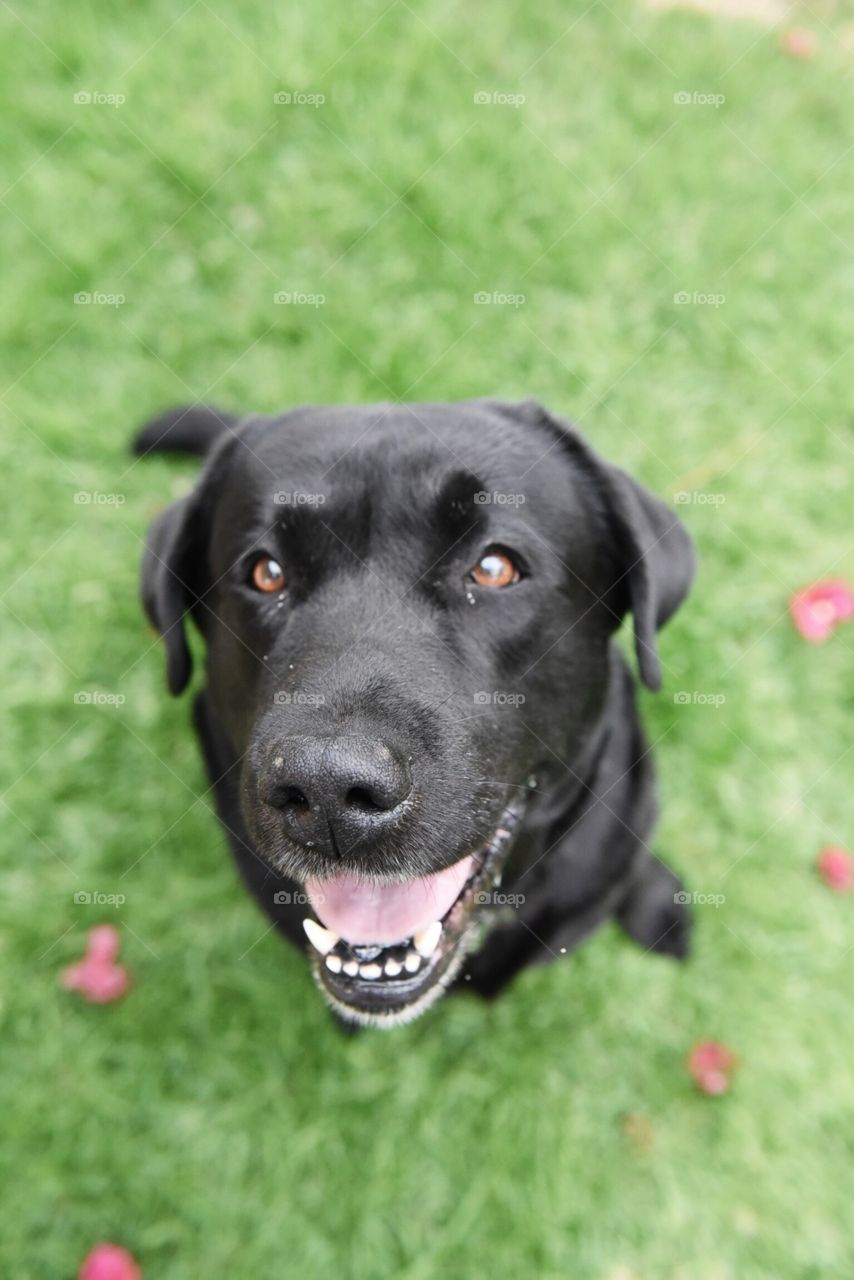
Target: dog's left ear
[
  {"x": 166, "y": 574},
  {"x": 654, "y": 554},
  {"x": 656, "y": 557}
]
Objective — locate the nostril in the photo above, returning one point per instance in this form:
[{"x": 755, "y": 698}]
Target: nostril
[
  {"x": 293, "y": 798},
  {"x": 364, "y": 800}
]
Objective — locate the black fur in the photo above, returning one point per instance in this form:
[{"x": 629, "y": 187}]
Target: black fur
[
  {"x": 380, "y": 638},
  {"x": 193, "y": 429}
]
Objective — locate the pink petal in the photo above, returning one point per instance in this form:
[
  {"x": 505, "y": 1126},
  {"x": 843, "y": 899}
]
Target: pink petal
[
  {"x": 109, "y": 1262},
  {"x": 836, "y": 867},
  {"x": 799, "y": 42},
  {"x": 97, "y": 977},
  {"x": 99, "y": 983},
  {"x": 104, "y": 943},
  {"x": 711, "y": 1063},
  {"x": 817, "y": 609}
]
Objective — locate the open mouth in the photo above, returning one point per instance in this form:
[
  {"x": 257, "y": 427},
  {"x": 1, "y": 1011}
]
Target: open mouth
[{"x": 384, "y": 952}]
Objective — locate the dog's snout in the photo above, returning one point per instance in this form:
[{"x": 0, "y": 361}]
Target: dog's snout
[{"x": 335, "y": 792}]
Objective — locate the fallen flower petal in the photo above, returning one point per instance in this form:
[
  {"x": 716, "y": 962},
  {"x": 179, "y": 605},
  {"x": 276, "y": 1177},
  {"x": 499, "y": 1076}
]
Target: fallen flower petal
[
  {"x": 97, "y": 977},
  {"x": 109, "y": 1262},
  {"x": 836, "y": 867},
  {"x": 104, "y": 943},
  {"x": 711, "y": 1063},
  {"x": 99, "y": 984},
  {"x": 799, "y": 42},
  {"x": 817, "y": 609}
]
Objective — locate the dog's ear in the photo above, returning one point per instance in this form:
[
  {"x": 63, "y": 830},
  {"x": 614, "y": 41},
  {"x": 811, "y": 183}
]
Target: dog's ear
[
  {"x": 656, "y": 561},
  {"x": 653, "y": 551},
  {"x": 166, "y": 574},
  {"x": 174, "y": 550}
]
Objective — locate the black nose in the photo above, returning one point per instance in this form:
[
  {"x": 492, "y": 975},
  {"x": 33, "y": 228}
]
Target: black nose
[{"x": 334, "y": 793}]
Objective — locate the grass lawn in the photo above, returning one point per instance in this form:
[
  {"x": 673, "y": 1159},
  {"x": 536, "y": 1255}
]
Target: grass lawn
[{"x": 215, "y": 1122}]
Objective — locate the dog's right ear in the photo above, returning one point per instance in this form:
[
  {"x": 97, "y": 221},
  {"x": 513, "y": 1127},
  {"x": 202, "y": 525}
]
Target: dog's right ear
[
  {"x": 175, "y": 548},
  {"x": 167, "y": 571}
]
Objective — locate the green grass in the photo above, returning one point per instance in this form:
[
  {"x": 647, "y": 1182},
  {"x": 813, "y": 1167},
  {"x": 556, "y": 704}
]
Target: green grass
[{"x": 215, "y": 1122}]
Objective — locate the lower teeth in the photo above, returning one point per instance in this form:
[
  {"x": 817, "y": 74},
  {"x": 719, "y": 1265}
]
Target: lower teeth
[
  {"x": 370, "y": 960},
  {"x": 371, "y": 971}
]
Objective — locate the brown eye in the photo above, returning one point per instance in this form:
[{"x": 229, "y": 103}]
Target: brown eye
[
  {"x": 495, "y": 569},
  {"x": 268, "y": 575}
]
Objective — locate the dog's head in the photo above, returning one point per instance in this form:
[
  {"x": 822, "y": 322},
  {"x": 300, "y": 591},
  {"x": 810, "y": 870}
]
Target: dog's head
[{"x": 407, "y": 613}]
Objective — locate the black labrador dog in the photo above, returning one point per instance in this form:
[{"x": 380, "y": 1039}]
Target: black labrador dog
[{"x": 421, "y": 734}]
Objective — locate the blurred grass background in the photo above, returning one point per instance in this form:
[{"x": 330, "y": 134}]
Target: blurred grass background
[{"x": 215, "y": 1122}]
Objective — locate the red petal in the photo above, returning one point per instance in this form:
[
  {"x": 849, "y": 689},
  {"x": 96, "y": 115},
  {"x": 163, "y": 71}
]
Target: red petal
[
  {"x": 836, "y": 867},
  {"x": 799, "y": 42},
  {"x": 711, "y": 1063},
  {"x": 109, "y": 1262},
  {"x": 104, "y": 943},
  {"x": 817, "y": 609},
  {"x": 97, "y": 977}
]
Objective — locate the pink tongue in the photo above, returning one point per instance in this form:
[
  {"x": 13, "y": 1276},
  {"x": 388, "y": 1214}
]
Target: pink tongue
[{"x": 362, "y": 912}]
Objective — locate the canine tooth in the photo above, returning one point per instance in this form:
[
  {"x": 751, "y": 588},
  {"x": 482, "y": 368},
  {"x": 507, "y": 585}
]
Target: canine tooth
[
  {"x": 426, "y": 940},
  {"x": 370, "y": 971},
  {"x": 412, "y": 963},
  {"x": 351, "y": 968},
  {"x": 334, "y": 963},
  {"x": 392, "y": 967},
  {"x": 321, "y": 939}
]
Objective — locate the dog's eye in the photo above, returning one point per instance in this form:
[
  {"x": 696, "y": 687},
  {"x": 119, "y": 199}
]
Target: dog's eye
[
  {"x": 496, "y": 568},
  {"x": 268, "y": 575}
]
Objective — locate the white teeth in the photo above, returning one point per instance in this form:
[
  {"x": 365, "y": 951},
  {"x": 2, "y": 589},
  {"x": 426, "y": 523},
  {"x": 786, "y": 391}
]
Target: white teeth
[
  {"x": 426, "y": 940},
  {"x": 321, "y": 939},
  {"x": 424, "y": 943}
]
